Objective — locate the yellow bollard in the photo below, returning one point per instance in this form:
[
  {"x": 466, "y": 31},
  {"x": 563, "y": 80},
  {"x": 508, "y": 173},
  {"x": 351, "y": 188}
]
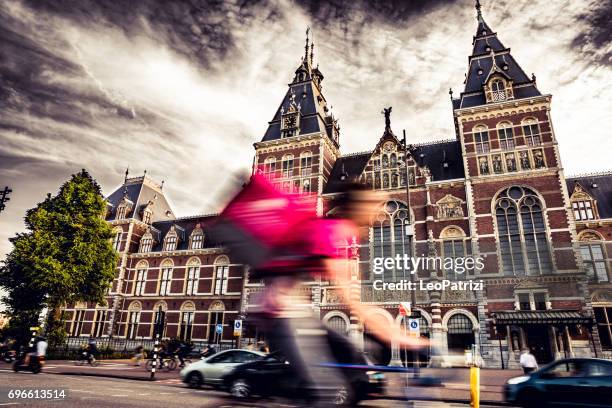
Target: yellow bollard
[{"x": 475, "y": 387}]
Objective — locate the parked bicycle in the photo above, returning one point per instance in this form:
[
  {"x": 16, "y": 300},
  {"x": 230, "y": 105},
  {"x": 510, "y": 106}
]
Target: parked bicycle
[{"x": 86, "y": 357}]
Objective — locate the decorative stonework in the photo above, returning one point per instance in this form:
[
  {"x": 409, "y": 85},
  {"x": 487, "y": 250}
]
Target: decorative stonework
[
  {"x": 449, "y": 207},
  {"x": 601, "y": 296},
  {"x": 457, "y": 296}
]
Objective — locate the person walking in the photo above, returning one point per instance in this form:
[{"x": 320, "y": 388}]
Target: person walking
[
  {"x": 528, "y": 361},
  {"x": 138, "y": 355}
]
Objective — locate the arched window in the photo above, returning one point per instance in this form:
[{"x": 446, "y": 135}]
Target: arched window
[
  {"x": 196, "y": 241},
  {"x": 306, "y": 164},
  {"x": 221, "y": 275},
  {"x": 166, "y": 277},
  {"x": 288, "y": 165},
  {"x": 140, "y": 280},
  {"x": 498, "y": 90},
  {"x": 187, "y": 315},
  {"x": 146, "y": 242},
  {"x": 338, "y": 324},
  {"x": 454, "y": 246},
  {"x": 385, "y": 161},
  {"x": 531, "y": 132},
  {"x": 171, "y": 240},
  {"x": 506, "y": 135},
  {"x": 121, "y": 211},
  {"x": 133, "y": 320},
  {"x": 393, "y": 160},
  {"x": 522, "y": 233},
  {"x": 481, "y": 138},
  {"x": 389, "y": 236},
  {"x": 593, "y": 256},
  {"x": 460, "y": 333},
  {"x": 193, "y": 276}
]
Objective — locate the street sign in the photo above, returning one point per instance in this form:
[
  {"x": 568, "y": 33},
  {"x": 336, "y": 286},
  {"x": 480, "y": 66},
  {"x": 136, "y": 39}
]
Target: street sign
[
  {"x": 413, "y": 327},
  {"x": 219, "y": 329},
  {"x": 404, "y": 308},
  {"x": 237, "y": 327}
]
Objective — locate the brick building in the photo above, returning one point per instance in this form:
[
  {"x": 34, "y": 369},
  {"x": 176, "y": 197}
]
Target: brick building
[{"x": 496, "y": 189}]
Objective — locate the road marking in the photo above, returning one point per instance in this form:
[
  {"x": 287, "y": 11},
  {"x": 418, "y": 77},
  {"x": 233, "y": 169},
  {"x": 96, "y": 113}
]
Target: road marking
[
  {"x": 10, "y": 403},
  {"x": 119, "y": 395}
]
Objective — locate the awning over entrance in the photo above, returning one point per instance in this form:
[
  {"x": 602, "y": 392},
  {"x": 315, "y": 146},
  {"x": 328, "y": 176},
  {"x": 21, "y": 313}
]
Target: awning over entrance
[{"x": 541, "y": 317}]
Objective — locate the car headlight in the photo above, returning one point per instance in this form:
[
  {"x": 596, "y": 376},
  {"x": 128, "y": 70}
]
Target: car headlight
[
  {"x": 375, "y": 375},
  {"x": 518, "y": 380}
]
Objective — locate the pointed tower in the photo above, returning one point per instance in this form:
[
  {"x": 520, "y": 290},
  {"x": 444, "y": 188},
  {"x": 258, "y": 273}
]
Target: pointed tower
[
  {"x": 511, "y": 161},
  {"x": 303, "y": 138}
]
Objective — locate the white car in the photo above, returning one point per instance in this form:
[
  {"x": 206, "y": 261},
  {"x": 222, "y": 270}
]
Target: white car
[{"x": 211, "y": 369}]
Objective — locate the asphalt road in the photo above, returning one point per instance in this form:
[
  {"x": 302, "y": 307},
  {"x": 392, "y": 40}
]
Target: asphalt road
[{"x": 85, "y": 391}]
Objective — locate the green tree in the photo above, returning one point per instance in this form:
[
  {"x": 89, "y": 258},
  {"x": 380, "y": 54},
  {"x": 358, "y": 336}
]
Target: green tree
[{"x": 65, "y": 256}]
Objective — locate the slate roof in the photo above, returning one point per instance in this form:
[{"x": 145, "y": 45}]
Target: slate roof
[
  {"x": 315, "y": 117},
  {"x": 185, "y": 227},
  {"x": 432, "y": 155},
  {"x": 598, "y": 186},
  {"x": 487, "y": 48},
  {"x": 141, "y": 190}
]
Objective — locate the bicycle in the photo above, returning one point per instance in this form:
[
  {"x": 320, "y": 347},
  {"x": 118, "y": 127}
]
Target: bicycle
[
  {"x": 168, "y": 364},
  {"x": 86, "y": 357}
]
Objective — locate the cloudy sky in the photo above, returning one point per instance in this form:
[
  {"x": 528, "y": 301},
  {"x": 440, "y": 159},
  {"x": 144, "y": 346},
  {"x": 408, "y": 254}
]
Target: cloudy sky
[{"x": 184, "y": 88}]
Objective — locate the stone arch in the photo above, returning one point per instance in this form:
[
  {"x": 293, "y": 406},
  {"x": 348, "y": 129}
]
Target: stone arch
[
  {"x": 590, "y": 235},
  {"x": 193, "y": 261},
  {"x": 217, "y": 306},
  {"x": 143, "y": 264},
  {"x": 339, "y": 314},
  {"x": 452, "y": 231},
  {"x": 166, "y": 263},
  {"x": 221, "y": 260},
  {"x": 135, "y": 306},
  {"x": 163, "y": 304},
  {"x": 452, "y": 312},
  {"x": 188, "y": 306}
]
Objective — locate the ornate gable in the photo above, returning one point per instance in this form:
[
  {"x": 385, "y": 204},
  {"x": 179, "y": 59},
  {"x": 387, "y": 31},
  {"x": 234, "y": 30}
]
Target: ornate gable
[{"x": 449, "y": 207}]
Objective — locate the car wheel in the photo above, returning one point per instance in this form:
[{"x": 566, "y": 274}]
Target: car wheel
[
  {"x": 240, "y": 388},
  {"x": 345, "y": 397},
  {"x": 195, "y": 380}
]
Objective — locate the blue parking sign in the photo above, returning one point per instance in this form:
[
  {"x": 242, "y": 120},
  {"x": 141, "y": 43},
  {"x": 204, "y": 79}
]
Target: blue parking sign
[{"x": 219, "y": 328}]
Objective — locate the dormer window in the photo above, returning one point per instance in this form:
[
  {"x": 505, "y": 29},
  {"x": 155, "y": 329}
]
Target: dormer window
[
  {"x": 146, "y": 242},
  {"x": 498, "y": 90},
  {"x": 146, "y": 216},
  {"x": 170, "y": 241},
  {"x": 197, "y": 238},
  {"x": 121, "y": 212},
  {"x": 583, "y": 210}
]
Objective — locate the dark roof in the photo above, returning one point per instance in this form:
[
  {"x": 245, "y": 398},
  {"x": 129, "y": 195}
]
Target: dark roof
[
  {"x": 435, "y": 155},
  {"x": 140, "y": 191},
  {"x": 602, "y": 192},
  {"x": 432, "y": 155},
  {"x": 304, "y": 94},
  {"x": 350, "y": 166},
  {"x": 185, "y": 227},
  {"x": 487, "y": 49}
]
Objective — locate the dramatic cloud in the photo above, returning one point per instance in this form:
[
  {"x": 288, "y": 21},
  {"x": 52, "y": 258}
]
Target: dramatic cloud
[{"x": 184, "y": 88}]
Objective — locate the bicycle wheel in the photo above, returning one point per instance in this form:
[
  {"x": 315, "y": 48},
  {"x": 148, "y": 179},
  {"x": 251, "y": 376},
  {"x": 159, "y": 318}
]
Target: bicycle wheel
[
  {"x": 79, "y": 361},
  {"x": 171, "y": 365},
  {"x": 94, "y": 362}
]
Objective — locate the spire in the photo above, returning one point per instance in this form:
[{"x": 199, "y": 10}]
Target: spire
[
  {"x": 479, "y": 12},
  {"x": 312, "y": 52},
  {"x": 306, "y": 57},
  {"x": 127, "y": 173}
]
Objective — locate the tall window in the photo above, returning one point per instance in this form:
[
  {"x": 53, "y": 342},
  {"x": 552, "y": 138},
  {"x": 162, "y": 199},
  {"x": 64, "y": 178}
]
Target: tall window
[
  {"x": 117, "y": 241},
  {"x": 460, "y": 333},
  {"x": 603, "y": 317},
  {"x": 221, "y": 278},
  {"x": 99, "y": 321},
  {"x": 531, "y": 132},
  {"x": 481, "y": 137},
  {"x": 141, "y": 280},
  {"x": 166, "y": 279},
  {"x": 197, "y": 238},
  {"x": 594, "y": 261},
  {"x": 133, "y": 322},
  {"x": 506, "y": 136},
  {"x": 77, "y": 323},
  {"x": 146, "y": 216},
  {"x": 583, "y": 210},
  {"x": 193, "y": 275},
  {"x": 187, "y": 314},
  {"x": 170, "y": 242},
  {"x": 146, "y": 243},
  {"x": 389, "y": 236},
  {"x": 498, "y": 89},
  {"x": 453, "y": 246},
  {"x": 288, "y": 166},
  {"x": 306, "y": 164},
  {"x": 522, "y": 234}
]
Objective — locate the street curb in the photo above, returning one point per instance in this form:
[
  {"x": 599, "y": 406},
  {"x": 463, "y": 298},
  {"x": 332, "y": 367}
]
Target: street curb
[{"x": 121, "y": 377}]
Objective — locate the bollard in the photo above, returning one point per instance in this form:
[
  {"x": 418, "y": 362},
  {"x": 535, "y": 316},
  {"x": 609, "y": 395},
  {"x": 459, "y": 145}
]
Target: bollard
[
  {"x": 475, "y": 387},
  {"x": 154, "y": 363}
]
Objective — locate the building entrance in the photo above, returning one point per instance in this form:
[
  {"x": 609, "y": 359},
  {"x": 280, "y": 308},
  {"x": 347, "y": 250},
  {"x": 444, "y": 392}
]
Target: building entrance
[{"x": 538, "y": 341}]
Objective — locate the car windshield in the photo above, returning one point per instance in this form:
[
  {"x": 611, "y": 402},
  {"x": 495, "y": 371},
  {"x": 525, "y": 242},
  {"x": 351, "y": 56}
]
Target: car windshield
[{"x": 565, "y": 369}]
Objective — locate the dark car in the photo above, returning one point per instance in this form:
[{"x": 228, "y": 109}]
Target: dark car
[
  {"x": 572, "y": 382},
  {"x": 272, "y": 376}
]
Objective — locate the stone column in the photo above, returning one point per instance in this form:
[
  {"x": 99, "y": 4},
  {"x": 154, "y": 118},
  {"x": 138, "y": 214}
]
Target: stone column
[
  {"x": 552, "y": 332},
  {"x": 522, "y": 339}
]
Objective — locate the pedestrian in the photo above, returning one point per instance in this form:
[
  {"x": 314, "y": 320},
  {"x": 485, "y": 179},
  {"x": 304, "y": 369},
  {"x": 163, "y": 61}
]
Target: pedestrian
[
  {"x": 41, "y": 350},
  {"x": 528, "y": 361},
  {"x": 138, "y": 355}
]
